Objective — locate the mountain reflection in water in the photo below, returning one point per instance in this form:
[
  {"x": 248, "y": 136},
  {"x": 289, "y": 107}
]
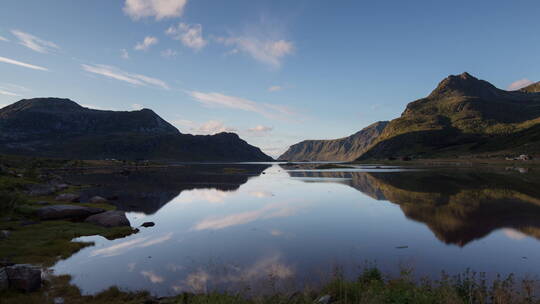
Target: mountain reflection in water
[
  {"x": 458, "y": 206},
  {"x": 252, "y": 227}
]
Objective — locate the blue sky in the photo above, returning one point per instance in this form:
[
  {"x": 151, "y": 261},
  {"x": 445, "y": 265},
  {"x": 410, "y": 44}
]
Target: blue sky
[{"x": 276, "y": 72}]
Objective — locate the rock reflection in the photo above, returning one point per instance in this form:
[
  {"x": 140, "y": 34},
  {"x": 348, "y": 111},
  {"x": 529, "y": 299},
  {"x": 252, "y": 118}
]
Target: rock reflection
[{"x": 457, "y": 205}]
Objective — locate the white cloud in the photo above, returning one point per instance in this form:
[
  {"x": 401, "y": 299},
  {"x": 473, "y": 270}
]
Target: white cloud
[
  {"x": 159, "y": 9},
  {"x": 23, "y": 64},
  {"x": 168, "y": 53},
  {"x": 189, "y": 34},
  {"x": 220, "y": 100},
  {"x": 8, "y": 93},
  {"x": 260, "y": 130},
  {"x": 264, "y": 50},
  {"x": 516, "y": 85},
  {"x": 146, "y": 43},
  {"x": 137, "y": 106},
  {"x": 115, "y": 73},
  {"x": 3, "y": 39},
  {"x": 154, "y": 278},
  {"x": 124, "y": 54},
  {"x": 34, "y": 43},
  {"x": 275, "y": 88},
  {"x": 207, "y": 128}
]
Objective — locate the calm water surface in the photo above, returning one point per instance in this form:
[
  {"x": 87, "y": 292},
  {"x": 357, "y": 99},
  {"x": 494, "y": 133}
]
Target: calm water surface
[{"x": 262, "y": 226}]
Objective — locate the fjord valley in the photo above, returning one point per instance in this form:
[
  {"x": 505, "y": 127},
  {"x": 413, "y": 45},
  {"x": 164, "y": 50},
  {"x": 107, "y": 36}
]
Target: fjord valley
[
  {"x": 269, "y": 152},
  {"x": 462, "y": 117}
]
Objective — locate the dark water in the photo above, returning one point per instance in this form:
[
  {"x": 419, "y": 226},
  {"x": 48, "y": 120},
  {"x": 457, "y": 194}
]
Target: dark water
[{"x": 262, "y": 227}]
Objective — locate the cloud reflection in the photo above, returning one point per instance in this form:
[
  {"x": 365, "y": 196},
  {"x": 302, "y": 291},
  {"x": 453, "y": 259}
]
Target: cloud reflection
[
  {"x": 267, "y": 212},
  {"x": 124, "y": 246}
]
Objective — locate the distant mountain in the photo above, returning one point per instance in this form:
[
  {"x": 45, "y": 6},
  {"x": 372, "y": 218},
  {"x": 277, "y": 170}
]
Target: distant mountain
[
  {"x": 54, "y": 127},
  {"x": 533, "y": 88},
  {"x": 463, "y": 116},
  {"x": 342, "y": 149}
]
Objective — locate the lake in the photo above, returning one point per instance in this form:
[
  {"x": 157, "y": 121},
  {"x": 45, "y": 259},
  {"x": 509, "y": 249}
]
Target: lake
[{"x": 259, "y": 227}]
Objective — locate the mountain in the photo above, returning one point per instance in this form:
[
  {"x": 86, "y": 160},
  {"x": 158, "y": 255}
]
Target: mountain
[
  {"x": 533, "y": 88},
  {"x": 54, "y": 127},
  {"x": 342, "y": 149},
  {"x": 463, "y": 116}
]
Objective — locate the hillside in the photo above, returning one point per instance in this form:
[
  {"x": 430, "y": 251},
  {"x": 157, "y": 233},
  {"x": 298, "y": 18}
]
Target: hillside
[
  {"x": 463, "y": 116},
  {"x": 342, "y": 149},
  {"x": 54, "y": 127}
]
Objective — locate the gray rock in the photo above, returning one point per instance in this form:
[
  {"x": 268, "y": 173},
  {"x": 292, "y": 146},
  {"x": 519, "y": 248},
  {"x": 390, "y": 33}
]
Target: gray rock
[
  {"x": 148, "y": 224},
  {"x": 98, "y": 200},
  {"x": 4, "y": 283},
  {"x": 58, "y": 212},
  {"x": 324, "y": 299},
  {"x": 24, "y": 277},
  {"x": 61, "y": 187},
  {"x": 68, "y": 197},
  {"x": 41, "y": 190},
  {"x": 58, "y": 300},
  {"x": 4, "y": 234},
  {"x": 109, "y": 219}
]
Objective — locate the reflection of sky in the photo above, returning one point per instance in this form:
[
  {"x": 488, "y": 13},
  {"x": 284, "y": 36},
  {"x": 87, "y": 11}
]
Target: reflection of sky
[{"x": 283, "y": 228}]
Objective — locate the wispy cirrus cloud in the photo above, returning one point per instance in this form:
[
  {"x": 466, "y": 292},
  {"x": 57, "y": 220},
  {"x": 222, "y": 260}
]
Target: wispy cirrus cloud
[
  {"x": 159, "y": 9},
  {"x": 265, "y": 50},
  {"x": 34, "y": 43},
  {"x": 213, "y": 99},
  {"x": 22, "y": 64},
  {"x": 189, "y": 34},
  {"x": 519, "y": 84},
  {"x": 118, "y": 74},
  {"x": 8, "y": 93},
  {"x": 260, "y": 130},
  {"x": 207, "y": 128},
  {"x": 275, "y": 88},
  {"x": 4, "y": 39},
  {"x": 146, "y": 43}
]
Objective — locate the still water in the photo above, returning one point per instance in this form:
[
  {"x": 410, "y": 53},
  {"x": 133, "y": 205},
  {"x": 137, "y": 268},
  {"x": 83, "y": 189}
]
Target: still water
[{"x": 267, "y": 226}]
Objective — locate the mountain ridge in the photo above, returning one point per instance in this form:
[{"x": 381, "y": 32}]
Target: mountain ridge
[
  {"x": 462, "y": 116},
  {"x": 341, "y": 149},
  {"x": 56, "y": 127}
]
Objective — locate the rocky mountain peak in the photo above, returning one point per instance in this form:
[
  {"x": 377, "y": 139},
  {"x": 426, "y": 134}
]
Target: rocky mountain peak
[{"x": 465, "y": 85}]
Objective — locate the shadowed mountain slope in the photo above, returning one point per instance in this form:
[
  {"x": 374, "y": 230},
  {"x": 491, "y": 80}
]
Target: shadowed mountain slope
[
  {"x": 342, "y": 149},
  {"x": 54, "y": 127}
]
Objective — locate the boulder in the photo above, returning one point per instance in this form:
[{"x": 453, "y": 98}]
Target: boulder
[
  {"x": 24, "y": 277},
  {"x": 98, "y": 200},
  {"x": 4, "y": 234},
  {"x": 68, "y": 197},
  {"x": 41, "y": 190},
  {"x": 324, "y": 299},
  {"x": 148, "y": 224},
  {"x": 61, "y": 187},
  {"x": 4, "y": 283},
  {"x": 109, "y": 219},
  {"x": 57, "y": 212}
]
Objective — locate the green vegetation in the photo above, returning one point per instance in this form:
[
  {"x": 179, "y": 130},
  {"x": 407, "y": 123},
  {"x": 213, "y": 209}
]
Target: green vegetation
[
  {"x": 372, "y": 287},
  {"x": 32, "y": 241}
]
